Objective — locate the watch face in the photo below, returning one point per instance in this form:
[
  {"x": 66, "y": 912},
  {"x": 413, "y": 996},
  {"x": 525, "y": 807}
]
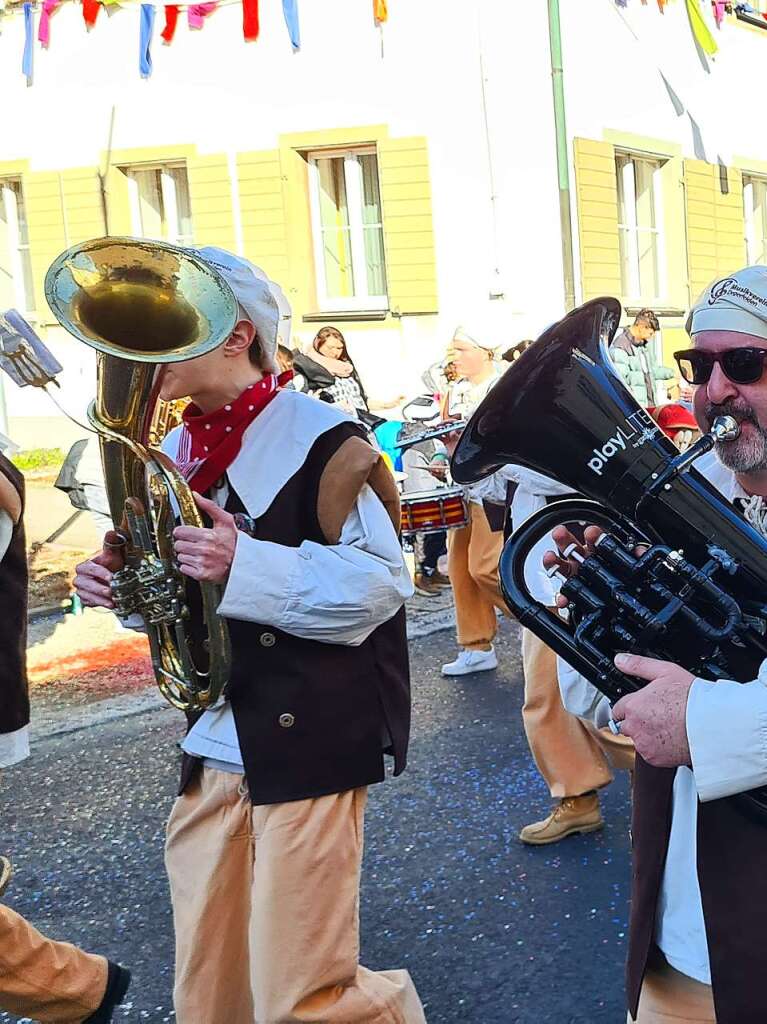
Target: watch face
[{"x": 245, "y": 523}]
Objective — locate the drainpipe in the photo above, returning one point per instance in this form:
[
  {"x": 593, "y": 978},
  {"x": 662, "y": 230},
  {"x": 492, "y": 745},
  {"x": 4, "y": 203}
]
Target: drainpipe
[
  {"x": 563, "y": 167},
  {"x": 103, "y": 175}
]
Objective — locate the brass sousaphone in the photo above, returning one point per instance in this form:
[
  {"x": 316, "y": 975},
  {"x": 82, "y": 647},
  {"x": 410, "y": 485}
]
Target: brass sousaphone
[{"x": 141, "y": 304}]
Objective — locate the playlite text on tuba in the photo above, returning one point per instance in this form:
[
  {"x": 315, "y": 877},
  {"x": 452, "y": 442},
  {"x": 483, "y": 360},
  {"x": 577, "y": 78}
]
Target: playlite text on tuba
[
  {"x": 141, "y": 304},
  {"x": 697, "y": 594}
]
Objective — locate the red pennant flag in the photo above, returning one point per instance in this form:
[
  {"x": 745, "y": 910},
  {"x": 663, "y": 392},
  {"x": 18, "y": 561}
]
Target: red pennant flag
[
  {"x": 171, "y": 20},
  {"x": 250, "y": 25},
  {"x": 91, "y": 10}
]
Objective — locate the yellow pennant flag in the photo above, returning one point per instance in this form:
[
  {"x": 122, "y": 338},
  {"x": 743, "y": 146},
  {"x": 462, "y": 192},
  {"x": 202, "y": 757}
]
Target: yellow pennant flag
[
  {"x": 700, "y": 29},
  {"x": 379, "y": 10}
]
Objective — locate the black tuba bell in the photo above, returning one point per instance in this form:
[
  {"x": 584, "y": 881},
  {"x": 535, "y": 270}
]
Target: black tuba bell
[{"x": 679, "y": 574}]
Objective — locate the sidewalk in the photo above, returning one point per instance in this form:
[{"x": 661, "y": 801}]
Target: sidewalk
[{"x": 86, "y": 669}]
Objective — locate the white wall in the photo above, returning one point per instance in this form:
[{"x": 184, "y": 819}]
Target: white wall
[
  {"x": 614, "y": 60},
  {"x": 212, "y": 89}
]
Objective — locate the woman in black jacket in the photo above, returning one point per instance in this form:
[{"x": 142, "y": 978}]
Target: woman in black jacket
[{"x": 329, "y": 372}]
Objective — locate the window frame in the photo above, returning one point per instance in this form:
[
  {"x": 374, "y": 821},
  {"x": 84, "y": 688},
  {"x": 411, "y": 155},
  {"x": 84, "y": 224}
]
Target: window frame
[
  {"x": 168, "y": 197},
  {"x": 749, "y": 180},
  {"x": 354, "y": 195},
  {"x": 625, "y": 180},
  {"x": 23, "y": 289}
]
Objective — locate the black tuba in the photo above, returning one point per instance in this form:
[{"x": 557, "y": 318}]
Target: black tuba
[{"x": 697, "y": 595}]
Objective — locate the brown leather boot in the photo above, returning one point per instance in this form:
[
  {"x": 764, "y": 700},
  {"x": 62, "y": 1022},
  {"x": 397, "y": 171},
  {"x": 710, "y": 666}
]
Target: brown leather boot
[
  {"x": 571, "y": 815},
  {"x": 424, "y": 586}
]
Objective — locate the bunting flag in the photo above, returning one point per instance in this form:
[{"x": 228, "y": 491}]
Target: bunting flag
[
  {"x": 290, "y": 10},
  {"x": 700, "y": 29},
  {"x": 250, "y": 23},
  {"x": 44, "y": 33},
  {"x": 145, "y": 40},
  {"x": 27, "y": 60},
  {"x": 171, "y": 21},
  {"x": 197, "y": 13},
  {"x": 91, "y": 10}
]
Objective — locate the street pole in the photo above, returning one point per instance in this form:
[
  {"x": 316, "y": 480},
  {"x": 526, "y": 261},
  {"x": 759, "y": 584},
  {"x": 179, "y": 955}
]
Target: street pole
[{"x": 563, "y": 164}]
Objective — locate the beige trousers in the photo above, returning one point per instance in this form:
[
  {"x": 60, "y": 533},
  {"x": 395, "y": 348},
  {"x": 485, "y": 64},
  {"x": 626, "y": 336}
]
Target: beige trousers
[
  {"x": 572, "y": 756},
  {"x": 46, "y": 980},
  {"x": 266, "y": 911},
  {"x": 669, "y": 997},
  {"x": 472, "y": 564}
]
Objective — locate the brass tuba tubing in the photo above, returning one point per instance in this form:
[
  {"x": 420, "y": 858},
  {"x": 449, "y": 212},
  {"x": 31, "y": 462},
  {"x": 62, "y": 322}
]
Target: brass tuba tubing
[{"x": 141, "y": 304}]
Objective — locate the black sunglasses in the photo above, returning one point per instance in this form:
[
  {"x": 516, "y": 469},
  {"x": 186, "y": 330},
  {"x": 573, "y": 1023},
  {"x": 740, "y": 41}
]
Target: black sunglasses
[{"x": 740, "y": 365}]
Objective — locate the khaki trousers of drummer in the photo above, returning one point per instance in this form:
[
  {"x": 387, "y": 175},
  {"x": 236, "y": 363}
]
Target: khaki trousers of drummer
[
  {"x": 669, "y": 997},
  {"x": 266, "y": 911},
  {"x": 472, "y": 564},
  {"x": 44, "y": 979},
  {"x": 572, "y": 756}
]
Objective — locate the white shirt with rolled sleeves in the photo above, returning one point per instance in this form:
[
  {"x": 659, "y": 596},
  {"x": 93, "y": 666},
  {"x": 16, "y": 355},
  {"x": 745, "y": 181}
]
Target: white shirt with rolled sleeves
[
  {"x": 727, "y": 733},
  {"x": 336, "y": 593},
  {"x": 530, "y": 496}
]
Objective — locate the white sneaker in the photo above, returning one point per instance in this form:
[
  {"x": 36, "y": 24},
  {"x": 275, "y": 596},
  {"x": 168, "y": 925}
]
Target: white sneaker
[{"x": 471, "y": 661}]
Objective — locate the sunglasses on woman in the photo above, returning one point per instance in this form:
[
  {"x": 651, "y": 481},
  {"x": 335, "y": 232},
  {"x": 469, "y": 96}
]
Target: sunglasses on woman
[{"x": 740, "y": 365}]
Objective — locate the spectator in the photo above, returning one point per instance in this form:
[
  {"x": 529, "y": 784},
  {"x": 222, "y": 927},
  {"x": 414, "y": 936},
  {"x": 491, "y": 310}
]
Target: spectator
[
  {"x": 330, "y": 373},
  {"x": 634, "y": 358}
]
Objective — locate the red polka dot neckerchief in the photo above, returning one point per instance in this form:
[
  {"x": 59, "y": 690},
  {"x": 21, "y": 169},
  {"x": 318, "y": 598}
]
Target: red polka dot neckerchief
[{"x": 210, "y": 442}]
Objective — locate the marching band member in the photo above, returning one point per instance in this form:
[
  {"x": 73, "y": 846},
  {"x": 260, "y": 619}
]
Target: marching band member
[
  {"x": 473, "y": 550},
  {"x": 47, "y": 980},
  {"x": 699, "y": 889},
  {"x": 264, "y": 843},
  {"x": 574, "y": 759}
]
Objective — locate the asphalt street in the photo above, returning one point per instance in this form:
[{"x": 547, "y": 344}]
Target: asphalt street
[{"x": 493, "y": 932}]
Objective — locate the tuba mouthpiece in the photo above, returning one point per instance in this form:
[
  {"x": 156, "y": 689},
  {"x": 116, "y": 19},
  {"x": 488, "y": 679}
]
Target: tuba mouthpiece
[{"x": 725, "y": 428}]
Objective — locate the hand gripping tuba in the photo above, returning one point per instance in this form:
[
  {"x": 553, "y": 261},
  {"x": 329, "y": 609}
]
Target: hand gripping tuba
[
  {"x": 698, "y": 595},
  {"x": 141, "y": 304}
]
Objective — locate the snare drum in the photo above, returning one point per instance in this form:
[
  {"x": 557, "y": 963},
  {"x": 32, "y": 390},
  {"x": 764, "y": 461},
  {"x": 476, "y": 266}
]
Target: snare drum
[{"x": 431, "y": 511}]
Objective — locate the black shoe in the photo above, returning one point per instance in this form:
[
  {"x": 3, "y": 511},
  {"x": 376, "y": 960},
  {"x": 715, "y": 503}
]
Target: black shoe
[{"x": 118, "y": 980}]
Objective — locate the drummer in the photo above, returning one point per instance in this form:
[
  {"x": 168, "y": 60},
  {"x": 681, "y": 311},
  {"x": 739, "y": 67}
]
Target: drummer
[
  {"x": 473, "y": 550},
  {"x": 425, "y": 466}
]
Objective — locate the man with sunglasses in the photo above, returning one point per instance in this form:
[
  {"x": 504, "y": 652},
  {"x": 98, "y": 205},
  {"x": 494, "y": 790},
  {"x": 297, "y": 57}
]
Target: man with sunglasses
[{"x": 699, "y": 888}]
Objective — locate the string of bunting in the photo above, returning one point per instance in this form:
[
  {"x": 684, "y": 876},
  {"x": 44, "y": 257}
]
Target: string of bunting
[
  {"x": 39, "y": 30},
  {"x": 704, "y": 37}
]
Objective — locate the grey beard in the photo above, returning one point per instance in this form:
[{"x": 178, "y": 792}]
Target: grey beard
[{"x": 743, "y": 455}]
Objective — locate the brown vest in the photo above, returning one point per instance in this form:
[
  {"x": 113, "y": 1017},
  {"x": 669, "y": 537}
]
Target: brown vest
[
  {"x": 14, "y": 695},
  {"x": 732, "y": 855},
  {"x": 311, "y": 717}
]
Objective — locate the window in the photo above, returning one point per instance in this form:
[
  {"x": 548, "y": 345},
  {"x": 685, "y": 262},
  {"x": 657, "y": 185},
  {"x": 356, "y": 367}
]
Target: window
[
  {"x": 755, "y": 210},
  {"x": 15, "y": 264},
  {"x": 640, "y": 216},
  {"x": 159, "y": 201},
  {"x": 347, "y": 226}
]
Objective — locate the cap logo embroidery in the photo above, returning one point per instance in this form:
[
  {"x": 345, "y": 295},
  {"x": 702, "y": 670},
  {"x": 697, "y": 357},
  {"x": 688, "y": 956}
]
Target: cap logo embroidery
[{"x": 729, "y": 286}]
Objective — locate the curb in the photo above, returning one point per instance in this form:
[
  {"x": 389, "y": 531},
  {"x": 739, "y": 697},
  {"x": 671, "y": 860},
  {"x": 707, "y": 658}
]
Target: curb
[
  {"x": 100, "y": 712},
  {"x": 46, "y": 610},
  {"x": 113, "y": 709}
]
